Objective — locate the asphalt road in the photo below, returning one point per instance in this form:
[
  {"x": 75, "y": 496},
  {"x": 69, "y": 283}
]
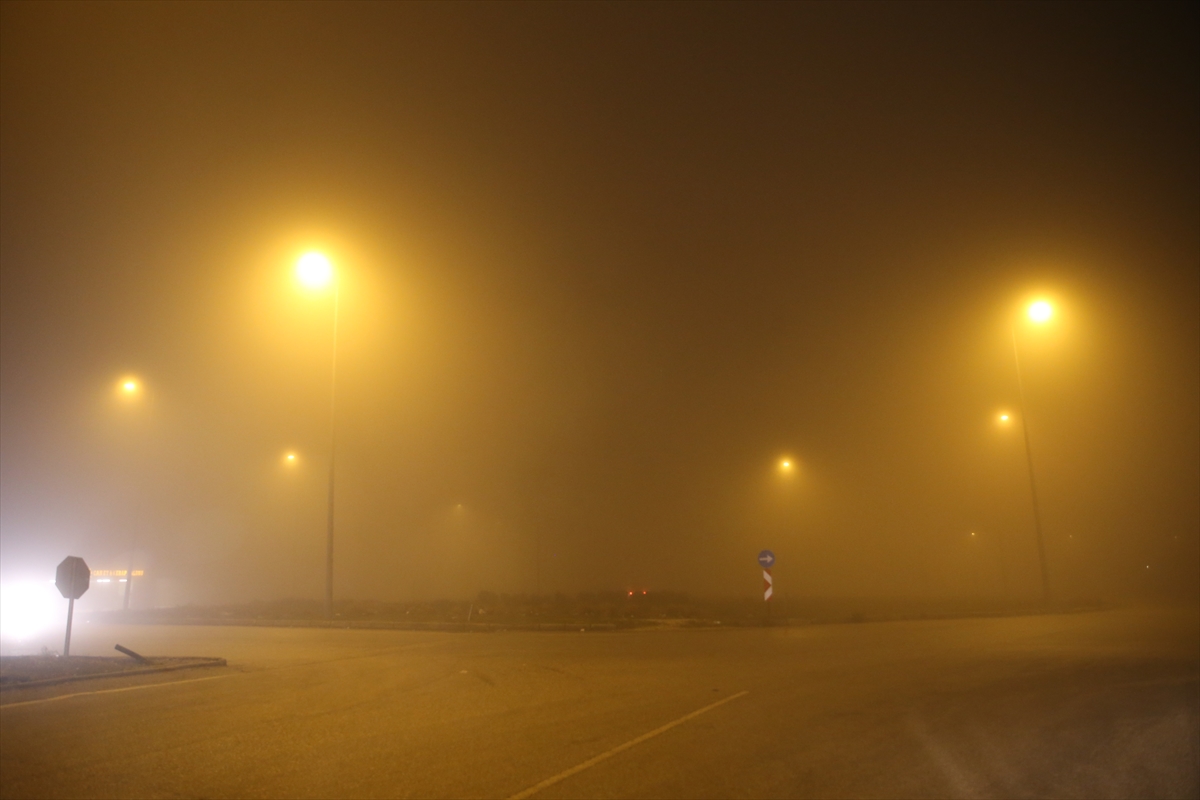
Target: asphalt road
[{"x": 1085, "y": 705}]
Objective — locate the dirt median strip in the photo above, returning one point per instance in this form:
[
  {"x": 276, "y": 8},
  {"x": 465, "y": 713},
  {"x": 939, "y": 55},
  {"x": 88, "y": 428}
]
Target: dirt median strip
[
  {"x": 174, "y": 665},
  {"x": 91, "y": 693}
]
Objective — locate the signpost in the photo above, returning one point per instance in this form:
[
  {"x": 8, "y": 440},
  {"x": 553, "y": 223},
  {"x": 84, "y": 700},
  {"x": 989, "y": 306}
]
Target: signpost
[
  {"x": 766, "y": 560},
  {"x": 72, "y": 579}
]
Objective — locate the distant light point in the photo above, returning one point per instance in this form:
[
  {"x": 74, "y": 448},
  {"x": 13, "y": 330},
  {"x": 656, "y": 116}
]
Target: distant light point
[{"x": 128, "y": 387}]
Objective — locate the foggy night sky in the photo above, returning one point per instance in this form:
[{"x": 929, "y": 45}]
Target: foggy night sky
[{"x": 602, "y": 266}]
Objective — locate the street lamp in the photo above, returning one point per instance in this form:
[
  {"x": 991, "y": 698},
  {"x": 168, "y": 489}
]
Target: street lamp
[
  {"x": 1039, "y": 313},
  {"x": 128, "y": 390},
  {"x": 315, "y": 271}
]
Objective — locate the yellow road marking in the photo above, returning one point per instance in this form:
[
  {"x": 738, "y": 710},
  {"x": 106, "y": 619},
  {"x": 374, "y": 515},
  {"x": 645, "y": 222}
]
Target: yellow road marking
[{"x": 593, "y": 761}]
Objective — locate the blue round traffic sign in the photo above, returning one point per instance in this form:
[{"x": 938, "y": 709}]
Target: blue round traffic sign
[{"x": 766, "y": 559}]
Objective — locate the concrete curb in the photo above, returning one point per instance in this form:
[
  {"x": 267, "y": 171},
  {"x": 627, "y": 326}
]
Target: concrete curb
[
  {"x": 200, "y": 662},
  {"x": 637, "y": 624},
  {"x": 439, "y": 627}
]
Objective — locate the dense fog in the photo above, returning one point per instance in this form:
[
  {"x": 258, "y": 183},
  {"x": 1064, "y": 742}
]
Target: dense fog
[{"x": 600, "y": 270}]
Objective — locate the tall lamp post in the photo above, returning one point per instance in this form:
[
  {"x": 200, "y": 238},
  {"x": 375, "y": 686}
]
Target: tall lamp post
[
  {"x": 1038, "y": 313},
  {"x": 129, "y": 389},
  {"x": 314, "y": 271}
]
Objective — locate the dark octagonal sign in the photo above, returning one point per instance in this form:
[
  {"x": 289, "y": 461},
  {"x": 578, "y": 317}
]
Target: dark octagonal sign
[{"x": 72, "y": 577}]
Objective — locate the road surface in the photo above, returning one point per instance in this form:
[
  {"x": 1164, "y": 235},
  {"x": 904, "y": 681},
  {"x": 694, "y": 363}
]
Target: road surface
[{"x": 1081, "y": 705}]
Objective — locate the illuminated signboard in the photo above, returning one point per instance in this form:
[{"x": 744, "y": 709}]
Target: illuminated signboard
[{"x": 108, "y": 575}]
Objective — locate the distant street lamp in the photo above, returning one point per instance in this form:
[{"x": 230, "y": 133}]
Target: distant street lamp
[
  {"x": 1039, "y": 313},
  {"x": 316, "y": 272},
  {"x": 129, "y": 389}
]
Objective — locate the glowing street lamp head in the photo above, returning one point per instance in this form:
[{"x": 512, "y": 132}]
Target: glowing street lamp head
[
  {"x": 314, "y": 270},
  {"x": 128, "y": 387},
  {"x": 1040, "y": 312}
]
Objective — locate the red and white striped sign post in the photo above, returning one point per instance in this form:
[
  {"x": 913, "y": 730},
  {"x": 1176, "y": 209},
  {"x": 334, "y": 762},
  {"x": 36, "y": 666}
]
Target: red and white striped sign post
[{"x": 768, "y": 590}]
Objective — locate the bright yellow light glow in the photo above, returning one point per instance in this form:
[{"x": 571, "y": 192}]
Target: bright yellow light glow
[
  {"x": 29, "y": 609},
  {"x": 785, "y": 465},
  {"x": 314, "y": 270},
  {"x": 290, "y": 459},
  {"x": 1040, "y": 312},
  {"x": 128, "y": 386},
  {"x": 1005, "y": 419}
]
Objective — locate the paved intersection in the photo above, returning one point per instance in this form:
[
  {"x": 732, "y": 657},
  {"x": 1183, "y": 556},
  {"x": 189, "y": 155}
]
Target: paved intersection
[{"x": 1085, "y": 705}]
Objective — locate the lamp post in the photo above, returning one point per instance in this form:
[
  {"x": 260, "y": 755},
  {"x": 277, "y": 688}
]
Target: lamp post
[
  {"x": 786, "y": 471},
  {"x": 129, "y": 390},
  {"x": 1039, "y": 313},
  {"x": 314, "y": 271}
]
